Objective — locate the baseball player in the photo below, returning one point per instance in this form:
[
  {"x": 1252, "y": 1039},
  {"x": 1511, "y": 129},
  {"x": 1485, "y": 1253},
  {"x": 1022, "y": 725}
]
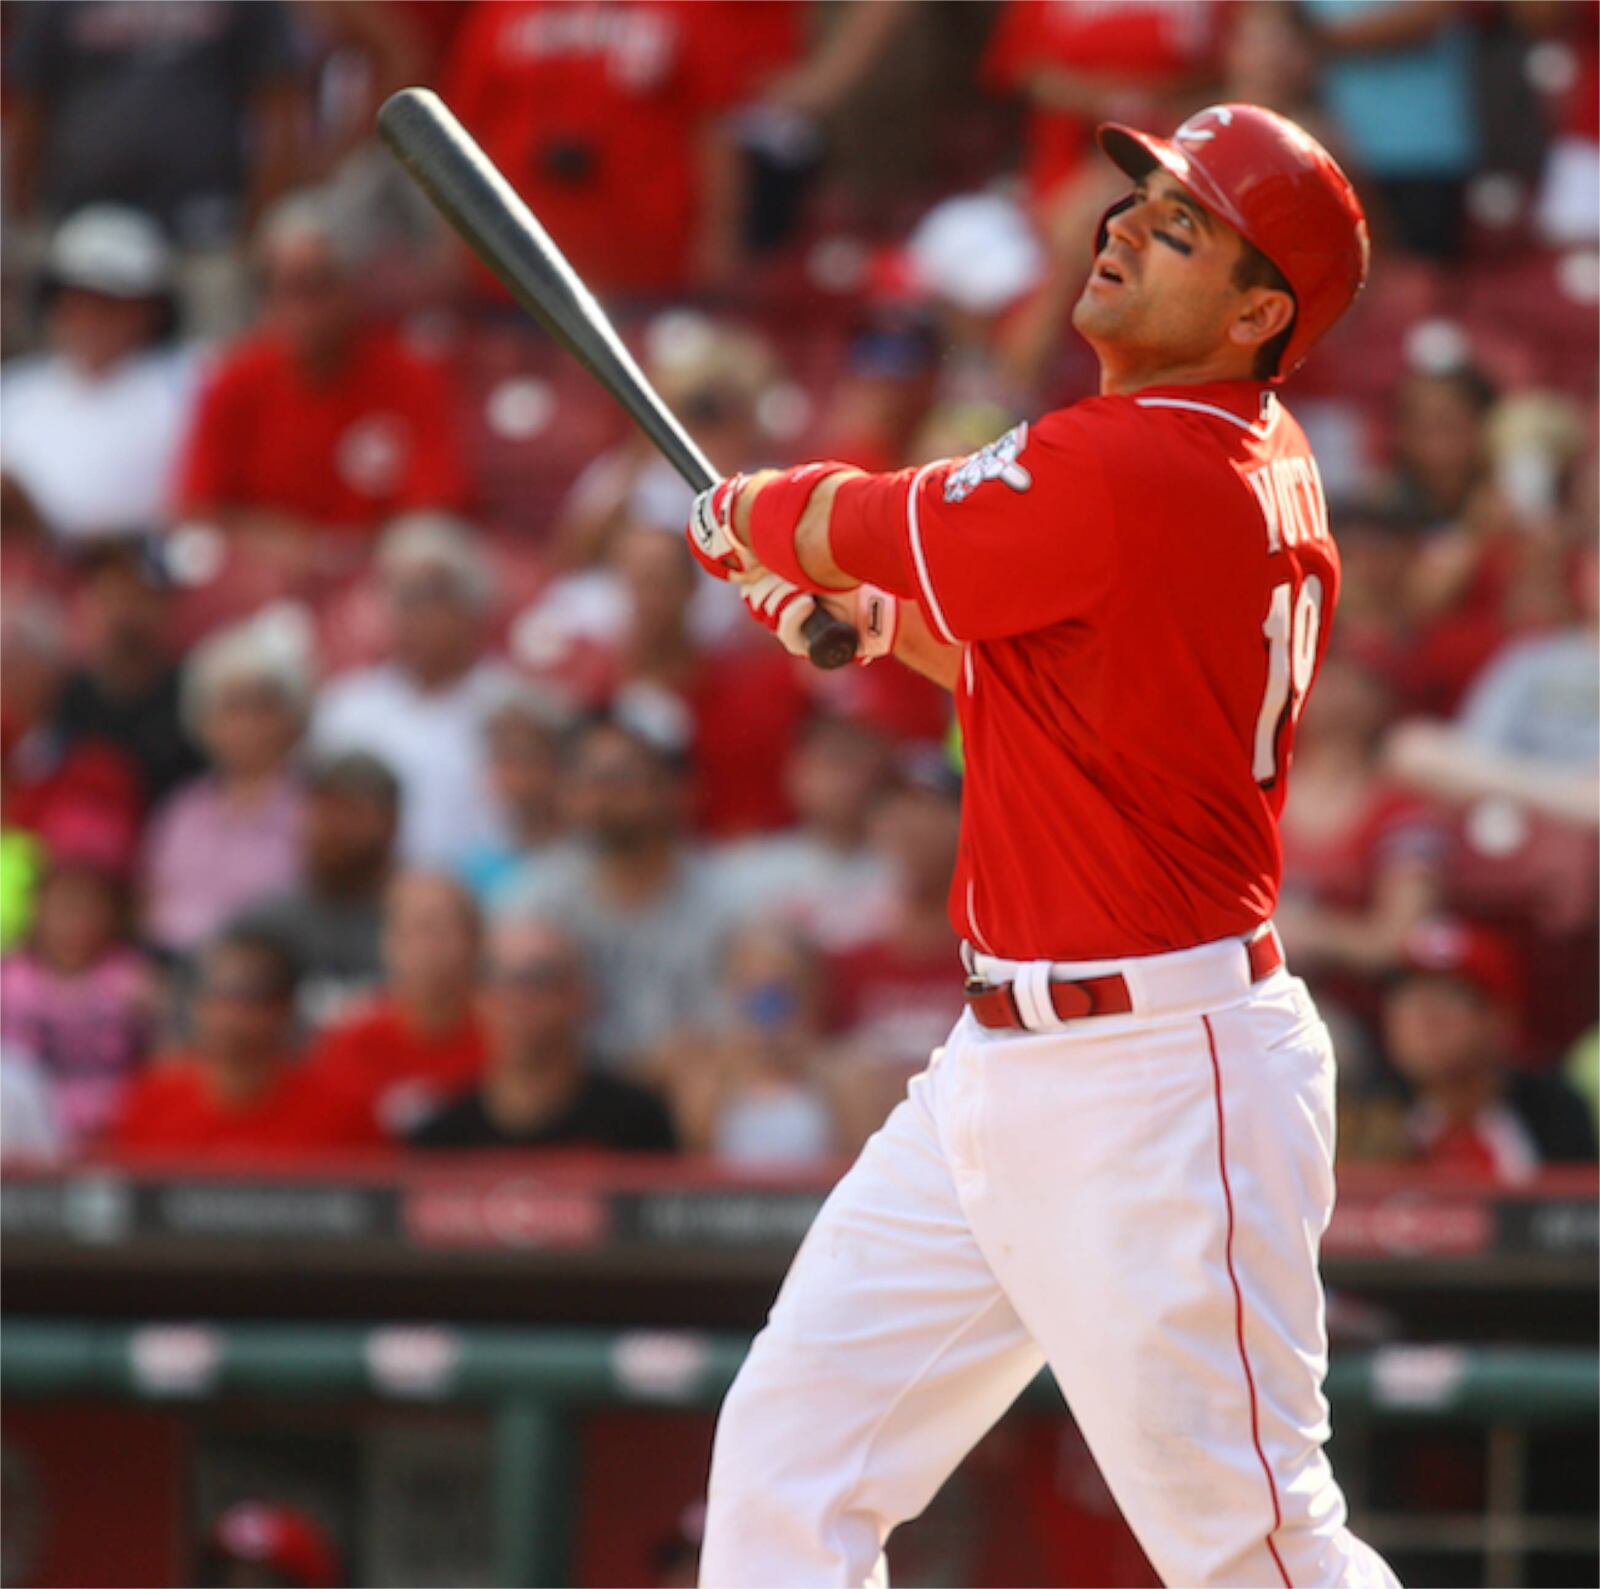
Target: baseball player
[{"x": 1121, "y": 1161}]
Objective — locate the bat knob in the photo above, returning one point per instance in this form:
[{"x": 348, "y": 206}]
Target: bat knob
[{"x": 830, "y": 641}]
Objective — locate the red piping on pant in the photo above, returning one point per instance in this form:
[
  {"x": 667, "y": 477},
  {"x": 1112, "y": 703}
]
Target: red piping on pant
[{"x": 1238, "y": 1308}]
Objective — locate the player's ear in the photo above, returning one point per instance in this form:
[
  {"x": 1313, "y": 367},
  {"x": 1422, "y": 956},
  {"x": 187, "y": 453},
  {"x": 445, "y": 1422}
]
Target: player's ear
[{"x": 1263, "y": 313}]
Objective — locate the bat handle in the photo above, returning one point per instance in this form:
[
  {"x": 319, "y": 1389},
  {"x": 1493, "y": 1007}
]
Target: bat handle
[{"x": 830, "y": 641}]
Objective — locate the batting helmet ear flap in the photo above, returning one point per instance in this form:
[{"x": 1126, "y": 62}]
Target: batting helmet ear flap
[{"x": 1101, "y": 232}]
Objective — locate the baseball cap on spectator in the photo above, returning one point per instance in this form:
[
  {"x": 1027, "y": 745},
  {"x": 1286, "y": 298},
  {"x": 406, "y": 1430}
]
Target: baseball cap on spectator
[
  {"x": 280, "y": 1538},
  {"x": 87, "y": 833},
  {"x": 430, "y": 542},
  {"x": 273, "y": 647},
  {"x": 976, "y": 251},
  {"x": 1475, "y": 955},
  {"x": 113, "y": 250}
]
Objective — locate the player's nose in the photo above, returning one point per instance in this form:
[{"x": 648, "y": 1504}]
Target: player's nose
[{"x": 1128, "y": 223}]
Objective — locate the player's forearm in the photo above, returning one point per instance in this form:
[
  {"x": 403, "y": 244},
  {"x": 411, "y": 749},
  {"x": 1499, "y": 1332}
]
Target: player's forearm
[
  {"x": 918, "y": 648},
  {"x": 850, "y": 532},
  {"x": 811, "y": 536}
]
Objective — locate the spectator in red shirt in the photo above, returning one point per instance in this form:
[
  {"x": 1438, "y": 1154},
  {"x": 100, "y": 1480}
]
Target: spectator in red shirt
[
  {"x": 241, "y": 1089},
  {"x": 1448, "y": 1024},
  {"x": 610, "y": 121},
  {"x": 1362, "y": 856},
  {"x": 1075, "y": 65},
  {"x": 420, "y": 1040},
  {"x": 312, "y": 432},
  {"x": 743, "y": 713}
]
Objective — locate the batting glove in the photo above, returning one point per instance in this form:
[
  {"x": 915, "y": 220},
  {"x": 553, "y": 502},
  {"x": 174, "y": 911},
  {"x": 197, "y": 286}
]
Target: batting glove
[
  {"x": 779, "y": 607},
  {"x": 782, "y": 608},
  {"x": 710, "y": 533},
  {"x": 877, "y": 622}
]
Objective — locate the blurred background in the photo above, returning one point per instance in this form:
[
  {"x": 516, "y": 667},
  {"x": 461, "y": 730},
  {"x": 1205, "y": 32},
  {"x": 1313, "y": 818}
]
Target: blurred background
[{"x": 448, "y": 954}]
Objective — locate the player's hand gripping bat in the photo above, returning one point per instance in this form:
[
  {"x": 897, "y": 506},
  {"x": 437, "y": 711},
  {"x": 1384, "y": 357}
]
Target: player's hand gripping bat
[{"x": 476, "y": 199}]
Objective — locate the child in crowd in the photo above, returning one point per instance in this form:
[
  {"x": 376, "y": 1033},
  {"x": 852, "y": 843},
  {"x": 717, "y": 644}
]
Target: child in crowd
[{"x": 78, "y": 998}]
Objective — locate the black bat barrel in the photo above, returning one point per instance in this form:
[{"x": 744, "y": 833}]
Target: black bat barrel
[{"x": 485, "y": 209}]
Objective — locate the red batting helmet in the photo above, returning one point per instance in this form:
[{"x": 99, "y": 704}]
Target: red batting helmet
[{"x": 1273, "y": 183}]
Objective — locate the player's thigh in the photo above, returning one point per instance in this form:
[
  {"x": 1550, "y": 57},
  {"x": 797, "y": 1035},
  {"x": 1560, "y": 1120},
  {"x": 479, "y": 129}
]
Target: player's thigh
[
  {"x": 1174, "y": 1284},
  {"x": 890, "y": 1349}
]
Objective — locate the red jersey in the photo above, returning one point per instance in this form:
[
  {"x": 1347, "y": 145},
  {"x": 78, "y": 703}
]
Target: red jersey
[
  {"x": 173, "y": 1109},
  {"x": 1145, "y": 50},
  {"x": 377, "y": 439},
  {"x": 395, "y": 1074},
  {"x": 1143, "y": 585},
  {"x": 594, "y": 112}
]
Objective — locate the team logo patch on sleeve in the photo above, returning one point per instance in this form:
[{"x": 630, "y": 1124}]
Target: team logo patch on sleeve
[{"x": 997, "y": 461}]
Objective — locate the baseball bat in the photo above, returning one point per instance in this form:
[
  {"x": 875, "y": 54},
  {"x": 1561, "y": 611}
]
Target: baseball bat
[{"x": 467, "y": 189}]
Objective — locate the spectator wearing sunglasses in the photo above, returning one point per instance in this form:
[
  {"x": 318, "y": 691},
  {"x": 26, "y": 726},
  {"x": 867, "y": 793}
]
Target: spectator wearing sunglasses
[{"x": 539, "y": 1088}]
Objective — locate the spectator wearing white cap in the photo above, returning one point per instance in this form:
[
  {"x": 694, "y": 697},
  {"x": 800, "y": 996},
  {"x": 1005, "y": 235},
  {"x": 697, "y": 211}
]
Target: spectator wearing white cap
[
  {"x": 425, "y": 711},
  {"x": 231, "y": 837},
  {"x": 91, "y": 428}
]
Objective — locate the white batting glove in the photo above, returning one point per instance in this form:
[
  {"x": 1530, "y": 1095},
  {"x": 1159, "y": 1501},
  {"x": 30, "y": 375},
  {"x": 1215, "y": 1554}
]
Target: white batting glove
[
  {"x": 710, "y": 531},
  {"x": 778, "y": 606},
  {"x": 782, "y": 608}
]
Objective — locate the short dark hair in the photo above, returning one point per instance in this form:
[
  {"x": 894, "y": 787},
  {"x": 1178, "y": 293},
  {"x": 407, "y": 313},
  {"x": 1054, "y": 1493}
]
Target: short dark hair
[
  {"x": 1254, "y": 269},
  {"x": 655, "y": 743},
  {"x": 250, "y": 936},
  {"x": 354, "y": 772}
]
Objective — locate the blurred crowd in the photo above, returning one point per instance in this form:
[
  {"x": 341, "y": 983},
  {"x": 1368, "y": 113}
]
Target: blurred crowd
[{"x": 378, "y": 773}]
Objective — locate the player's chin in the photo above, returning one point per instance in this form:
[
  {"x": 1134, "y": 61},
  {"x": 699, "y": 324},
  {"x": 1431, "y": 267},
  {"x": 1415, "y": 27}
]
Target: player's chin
[{"x": 1093, "y": 312}]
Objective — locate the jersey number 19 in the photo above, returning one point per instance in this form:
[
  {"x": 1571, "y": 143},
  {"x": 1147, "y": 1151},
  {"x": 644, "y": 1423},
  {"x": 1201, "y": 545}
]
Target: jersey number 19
[{"x": 1292, "y": 626}]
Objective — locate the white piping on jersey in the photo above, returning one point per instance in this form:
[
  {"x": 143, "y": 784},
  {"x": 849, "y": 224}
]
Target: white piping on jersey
[
  {"x": 966, "y": 668},
  {"x": 1263, "y": 429},
  {"x": 914, "y": 525},
  {"x": 1322, "y": 496},
  {"x": 972, "y": 922}
]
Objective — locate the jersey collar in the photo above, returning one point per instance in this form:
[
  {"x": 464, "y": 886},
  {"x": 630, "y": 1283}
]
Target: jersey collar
[{"x": 1251, "y": 405}]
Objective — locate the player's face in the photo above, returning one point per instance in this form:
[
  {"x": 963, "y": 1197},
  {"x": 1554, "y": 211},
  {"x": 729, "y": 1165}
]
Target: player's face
[{"x": 1161, "y": 293}]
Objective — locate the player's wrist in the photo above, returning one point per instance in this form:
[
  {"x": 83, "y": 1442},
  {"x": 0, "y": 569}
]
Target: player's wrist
[
  {"x": 775, "y": 515},
  {"x": 739, "y": 519}
]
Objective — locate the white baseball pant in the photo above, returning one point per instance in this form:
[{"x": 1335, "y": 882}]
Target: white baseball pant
[{"x": 1137, "y": 1200}]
